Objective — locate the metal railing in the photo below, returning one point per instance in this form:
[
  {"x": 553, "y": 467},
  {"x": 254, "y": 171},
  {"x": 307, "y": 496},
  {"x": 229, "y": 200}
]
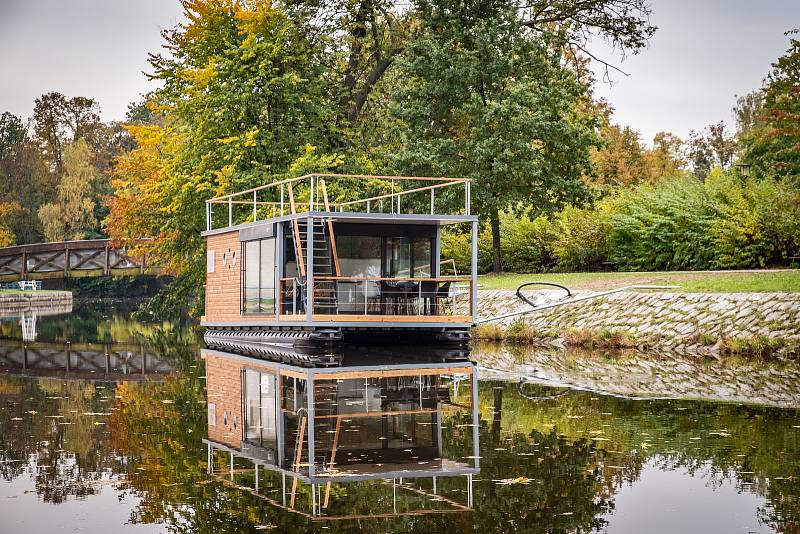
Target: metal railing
[
  {"x": 383, "y": 194},
  {"x": 378, "y": 296}
]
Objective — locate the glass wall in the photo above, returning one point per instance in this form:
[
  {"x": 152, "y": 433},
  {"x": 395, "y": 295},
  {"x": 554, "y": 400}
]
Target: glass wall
[
  {"x": 359, "y": 256},
  {"x": 259, "y": 276},
  {"x": 408, "y": 257},
  {"x": 260, "y": 408}
]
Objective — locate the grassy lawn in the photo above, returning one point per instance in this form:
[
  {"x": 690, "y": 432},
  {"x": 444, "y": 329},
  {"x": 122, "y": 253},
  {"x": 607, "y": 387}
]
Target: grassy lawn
[
  {"x": 15, "y": 291},
  {"x": 700, "y": 281}
]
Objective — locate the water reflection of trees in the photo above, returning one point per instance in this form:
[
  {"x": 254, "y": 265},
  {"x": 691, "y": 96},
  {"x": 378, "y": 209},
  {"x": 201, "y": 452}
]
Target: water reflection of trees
[
  {"x": 756, "y": 448},
  {"x": 573, "y": 452},
  {"x": 46, "y": 434}
]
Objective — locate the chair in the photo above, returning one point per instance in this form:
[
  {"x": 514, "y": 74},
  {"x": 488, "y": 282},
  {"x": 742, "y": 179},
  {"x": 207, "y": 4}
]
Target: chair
[
  {"x": 442, "y": 294},
  {"x": 389, "y": 292},
  {"x": 427, "y": 293}
]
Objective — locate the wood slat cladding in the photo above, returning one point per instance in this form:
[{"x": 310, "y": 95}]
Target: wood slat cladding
[
  {"x": 224, "y": 387},
  {"x": 224, "y": 284}
]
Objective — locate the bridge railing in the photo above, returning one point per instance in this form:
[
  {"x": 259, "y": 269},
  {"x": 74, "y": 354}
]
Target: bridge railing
[{"x": 65, "y": 259}]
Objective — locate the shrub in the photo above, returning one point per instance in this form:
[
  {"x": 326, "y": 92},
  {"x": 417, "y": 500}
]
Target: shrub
[
  {"x": 582, "y": 237},
  {"x": 456, "y": 245},
  {"x": 669, "y": 226},
  {"x": 488, "y": 332},
  {"x": 759, "y": 223},
  {"x": 526, "y": 244}
]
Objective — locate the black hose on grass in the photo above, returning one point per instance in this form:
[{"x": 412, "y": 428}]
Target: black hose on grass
[{"x": 524, "y": 299}]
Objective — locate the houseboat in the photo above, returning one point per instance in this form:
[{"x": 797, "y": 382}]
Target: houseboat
[
  {"x": 352, "y": 442},
  {"x": 326, "y": 259}
]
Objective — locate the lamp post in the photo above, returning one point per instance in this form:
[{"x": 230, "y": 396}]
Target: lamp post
[{"x": 744, "y": 169}]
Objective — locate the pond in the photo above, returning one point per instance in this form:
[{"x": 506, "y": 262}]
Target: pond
[{"x": 107, "y": 425}]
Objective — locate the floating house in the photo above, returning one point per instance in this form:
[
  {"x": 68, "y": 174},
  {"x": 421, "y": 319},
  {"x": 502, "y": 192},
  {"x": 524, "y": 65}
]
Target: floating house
[
  {"x": 324, "y": 259},
  {"x": 349, "y": 442}
]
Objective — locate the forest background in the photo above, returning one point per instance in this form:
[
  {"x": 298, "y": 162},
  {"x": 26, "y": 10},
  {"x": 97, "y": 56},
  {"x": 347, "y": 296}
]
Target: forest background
[{"x": 498, "y": 91}]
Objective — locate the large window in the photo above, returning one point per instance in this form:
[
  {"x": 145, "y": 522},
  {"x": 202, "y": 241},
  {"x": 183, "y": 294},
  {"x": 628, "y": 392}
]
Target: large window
[
  {"x": 259, "y": 276},
  {"x": 260, "y": 427},
  {"x": 408, "y": 257},
  {"x": 359, "y": 255}
]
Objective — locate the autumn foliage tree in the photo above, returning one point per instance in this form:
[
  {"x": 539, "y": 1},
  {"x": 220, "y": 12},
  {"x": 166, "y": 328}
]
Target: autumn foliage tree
[{"x": 71, "y": 216}]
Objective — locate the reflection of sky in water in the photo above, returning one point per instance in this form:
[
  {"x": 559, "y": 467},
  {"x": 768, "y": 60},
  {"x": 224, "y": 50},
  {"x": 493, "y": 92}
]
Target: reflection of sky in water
[
  {"x": 549, "y": 461},
  {"x": 23, "y": 512},
  {"x": 669, "y": 501}
]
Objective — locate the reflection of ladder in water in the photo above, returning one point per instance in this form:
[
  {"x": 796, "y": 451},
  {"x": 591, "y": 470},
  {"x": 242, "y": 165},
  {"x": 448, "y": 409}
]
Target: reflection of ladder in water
[
  {"x": 326, "y": 257},
  {"x": 28, "y": 323}
]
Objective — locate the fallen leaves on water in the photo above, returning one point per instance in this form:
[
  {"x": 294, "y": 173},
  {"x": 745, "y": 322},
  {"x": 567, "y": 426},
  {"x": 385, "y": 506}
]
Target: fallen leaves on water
[{"x": 511, "y": 481}]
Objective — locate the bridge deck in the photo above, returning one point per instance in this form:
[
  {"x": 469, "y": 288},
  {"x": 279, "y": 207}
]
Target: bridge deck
[{"x": 67, "y": 259}]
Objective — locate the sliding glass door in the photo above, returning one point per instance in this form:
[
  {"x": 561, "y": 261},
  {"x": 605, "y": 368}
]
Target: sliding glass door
[{"x": 259, "y": 276}]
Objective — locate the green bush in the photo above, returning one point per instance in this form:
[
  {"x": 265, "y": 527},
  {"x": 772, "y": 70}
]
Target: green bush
[
  {"x": 456, "y": 246},
  {"x": 669, "y": 226},
  {"x": 759, "y": 223},
  {"x": 582, "y": 237},
  {"x": 677, "y": 224},
  {"x": 526, "y": 244}
]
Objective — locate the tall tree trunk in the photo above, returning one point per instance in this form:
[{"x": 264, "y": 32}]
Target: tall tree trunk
[{"x": 497, "y": 259}]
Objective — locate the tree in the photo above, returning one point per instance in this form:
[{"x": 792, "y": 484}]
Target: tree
[
  {"x": 366, "y": 37},
  {"x": 747, "y": 111},
  {"x": 483, "y": 98},
  {"x": 773, "y": 145},
  {"x": 24, "y": 179},
  {"x": 713, "y": 146},
  {"x": 58, "y": 120},
  {"x": 621, "y": 160},
  {"x": 243, "y": 94},
  {"x": 72, "y": 215},
  {"x": 665, "y": 159},
  {"x": 12, "y": 133},
  {"x": 10, "y": 213}
]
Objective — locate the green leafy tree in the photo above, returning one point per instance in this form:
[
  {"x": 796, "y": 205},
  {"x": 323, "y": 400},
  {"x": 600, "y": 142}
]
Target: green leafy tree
[
  {"x": 483, "y": 98},
  {"x": 71, "y": 216},
  {"x": 773, "y": 145},
  {"x": 24, "y": 179},
  {"x": 12, "y": 133}
]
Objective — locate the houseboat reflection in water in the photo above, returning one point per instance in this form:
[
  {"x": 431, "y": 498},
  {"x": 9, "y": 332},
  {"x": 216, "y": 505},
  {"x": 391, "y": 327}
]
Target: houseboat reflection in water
[{"x": 345, "y": 441}]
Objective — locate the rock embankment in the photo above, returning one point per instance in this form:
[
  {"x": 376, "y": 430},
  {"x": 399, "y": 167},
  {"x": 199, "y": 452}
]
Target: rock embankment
[{"x": 686, "y": 322}]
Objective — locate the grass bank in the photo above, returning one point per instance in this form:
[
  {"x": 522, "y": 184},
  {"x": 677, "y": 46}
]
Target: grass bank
[
  {"x": 784, "y": 280},
  {"x": 27, "y": 291}
]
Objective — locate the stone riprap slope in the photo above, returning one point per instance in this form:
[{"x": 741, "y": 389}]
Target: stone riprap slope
[
  {"x": 633, "y": 373},
  {"x": 670, "y": 319}
]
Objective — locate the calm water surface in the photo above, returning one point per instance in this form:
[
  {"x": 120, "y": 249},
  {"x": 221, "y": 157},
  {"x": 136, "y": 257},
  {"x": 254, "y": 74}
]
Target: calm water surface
[{"x": 108, "y": 426}]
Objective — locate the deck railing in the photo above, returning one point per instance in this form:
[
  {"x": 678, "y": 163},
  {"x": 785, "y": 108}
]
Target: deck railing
[
  {"x": 378, "y": 298},
  {"x": 380, "y": 194}
]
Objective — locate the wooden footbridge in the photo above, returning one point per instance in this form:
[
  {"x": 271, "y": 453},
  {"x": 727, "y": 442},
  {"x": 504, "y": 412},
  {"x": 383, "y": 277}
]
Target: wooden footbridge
[
  {"x": 68, "y": 259},
  {"x": 82, "y": 361}
]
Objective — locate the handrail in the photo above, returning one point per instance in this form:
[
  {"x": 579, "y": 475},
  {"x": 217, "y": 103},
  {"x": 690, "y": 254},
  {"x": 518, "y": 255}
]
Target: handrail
[
  {"x": 331, "y": 175},
  {"x": 334, "y": 252},
  {"x": 301, "y": 262}
]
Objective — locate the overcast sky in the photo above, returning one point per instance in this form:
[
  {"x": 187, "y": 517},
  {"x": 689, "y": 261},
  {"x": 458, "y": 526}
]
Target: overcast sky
[{"x": 703, "y": 53}]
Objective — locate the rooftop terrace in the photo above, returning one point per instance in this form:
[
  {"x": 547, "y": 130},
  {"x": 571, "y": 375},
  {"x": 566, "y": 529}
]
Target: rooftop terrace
[{"x": 341, "y": 193}]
